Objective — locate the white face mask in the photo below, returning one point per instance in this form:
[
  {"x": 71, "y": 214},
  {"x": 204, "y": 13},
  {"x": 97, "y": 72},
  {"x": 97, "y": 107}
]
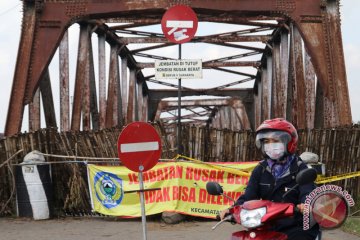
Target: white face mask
[{"x": 274, "y": 150}]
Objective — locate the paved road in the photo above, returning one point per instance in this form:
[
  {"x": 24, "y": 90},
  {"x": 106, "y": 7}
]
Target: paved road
[{"x": 110, "y": 229}]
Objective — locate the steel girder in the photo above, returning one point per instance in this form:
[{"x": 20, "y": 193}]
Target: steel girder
[{"x": 317, "y": 21}]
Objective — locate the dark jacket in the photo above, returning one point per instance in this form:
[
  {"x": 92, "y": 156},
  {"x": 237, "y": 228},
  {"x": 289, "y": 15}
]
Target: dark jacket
[{"x": 262, "y": 185}]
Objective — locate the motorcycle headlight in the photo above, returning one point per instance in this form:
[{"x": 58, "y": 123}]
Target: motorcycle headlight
[{"x": 252, "y": 218}]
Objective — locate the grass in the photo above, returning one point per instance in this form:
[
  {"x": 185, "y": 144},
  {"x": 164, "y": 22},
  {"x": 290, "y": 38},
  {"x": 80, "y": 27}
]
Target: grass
[{"x": 352, "y": 225}]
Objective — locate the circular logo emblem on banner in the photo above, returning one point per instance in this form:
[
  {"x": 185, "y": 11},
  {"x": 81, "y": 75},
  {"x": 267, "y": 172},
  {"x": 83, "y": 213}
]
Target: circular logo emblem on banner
[{"x": 109, "y": 189}]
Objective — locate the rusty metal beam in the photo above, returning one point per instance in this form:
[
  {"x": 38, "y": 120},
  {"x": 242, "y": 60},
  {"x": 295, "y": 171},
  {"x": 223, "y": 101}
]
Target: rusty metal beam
[
  {"x": 197, "y": 103},
  {"x": 277, "y": 110},
  {"x": 284, "y": 72},
  {"x": 172, "y": 110},
  {"x": 140, "y": 33},
  {"x": 81, "y": 69},
  {"x": 163, "y": 105},
  {"x": 250, "y": 38},
  {"x": 338, "y": 71},
  {"x": 153, "y": 56},
  {"x": 111, "y": 104},
  {"x": 266, "y": 77},
  {"x": 145, "y": 108},
  {"x": 64, "y": 83},
  {"x": 241, "y": 113},
  {"x": 124, "y": 88},
  {"x": 232, "y": 45},
  {"x": 85, "y": 108},
  {"x": 155, "y": 96},
  {"x": 102, "y": 80},
  {"x": 113, "y": 39},
  {"x": 298, "y": 78},
  {"x": 144, "y": 20},
  {"x": 165, "y": 83},
  {"x": 241, "y": 20},
  {"x": 257, "y": 102},
  {"x": 235, "y": 104},
  {"x": 131, "y": 20},
  {"x": 324, "y": 109},
  {"x": 244, "y": 94},
  {"x": 202, "y": 113},
  {"x": 47, "y": 100},
  {"x": 330, "y": 114},
  {"x": 152, "y": 47},
  {"x": 131, "y": 98},
  {"x": 139, "y": 101},
  {"x": 49, "y": 32},
  {"x": 232, "y": 84},
  {"x": 234, "y": 72},
  {"x": 118, "y": 99},
  {"x": 238, "y": 33},
  {"x": 188, "y": 116},
  {"x": 319, "y": 107},
  {"x": 242, "y": 55},
  {"x": 34, "y": 112},
  {"x": 131, "y": 23},
  {"x": 310, "y": 86},
  {"x": 23, "y": 62},
  {"x": 95, "y": 118}
]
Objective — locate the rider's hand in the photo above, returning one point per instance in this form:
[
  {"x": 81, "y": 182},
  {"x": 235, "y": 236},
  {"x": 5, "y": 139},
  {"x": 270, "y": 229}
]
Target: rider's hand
[
  {"x": 223, "y": 213},
  {"x": 301, "y": 207}
]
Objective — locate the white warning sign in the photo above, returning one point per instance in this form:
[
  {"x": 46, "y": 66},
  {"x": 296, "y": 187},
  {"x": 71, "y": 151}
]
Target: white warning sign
[{"x": 175, "y": 69}]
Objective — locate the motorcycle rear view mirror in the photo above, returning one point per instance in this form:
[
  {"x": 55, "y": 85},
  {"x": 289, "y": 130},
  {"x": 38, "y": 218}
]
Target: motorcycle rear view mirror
[
  {"x": 214, "y": 188},
  {"x": 306, "y": 176}
]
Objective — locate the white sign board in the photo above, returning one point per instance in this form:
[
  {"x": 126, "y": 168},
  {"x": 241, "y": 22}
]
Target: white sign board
[{"x": 175, "y": 69}]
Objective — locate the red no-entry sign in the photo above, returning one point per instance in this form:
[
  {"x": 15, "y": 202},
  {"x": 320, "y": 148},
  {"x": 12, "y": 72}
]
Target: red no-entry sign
[
  {"x": 179, "y": 24},
  {"x": 139, "y": 146}
]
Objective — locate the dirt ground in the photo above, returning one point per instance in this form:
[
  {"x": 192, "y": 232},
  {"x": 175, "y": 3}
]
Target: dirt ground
[{"x": 86, "y": 228}]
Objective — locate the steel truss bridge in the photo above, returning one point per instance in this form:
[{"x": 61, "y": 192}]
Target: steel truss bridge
[{"x": 292, "y": 47}]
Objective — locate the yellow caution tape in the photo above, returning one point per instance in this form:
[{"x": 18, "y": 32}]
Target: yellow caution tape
[
  {"x": 321, "y": 180},
  {"x": 245, "y": 172}
]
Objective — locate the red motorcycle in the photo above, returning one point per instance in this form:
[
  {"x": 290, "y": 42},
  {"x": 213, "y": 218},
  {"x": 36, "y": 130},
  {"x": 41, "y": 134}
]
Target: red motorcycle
[{"x": 258, "y": 216}]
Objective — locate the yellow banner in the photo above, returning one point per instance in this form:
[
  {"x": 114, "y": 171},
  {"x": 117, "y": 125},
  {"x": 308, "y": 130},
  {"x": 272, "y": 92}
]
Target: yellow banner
[{"x": 182, "y": 188}]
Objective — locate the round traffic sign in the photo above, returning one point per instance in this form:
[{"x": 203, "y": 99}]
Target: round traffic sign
[
  {"x": 179, "y": 24},
  {"x": 329, "y": 210},
  {"x": 139, "y": 146}
]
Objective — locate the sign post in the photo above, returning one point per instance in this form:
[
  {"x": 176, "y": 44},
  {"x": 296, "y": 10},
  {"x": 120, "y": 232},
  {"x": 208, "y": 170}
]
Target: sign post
[
  {"x": 180, "y": 146},
  {"x": 179, "y": 25},
  {"x": 142, "y": 202},
  {"x": 139, "y": 149}
]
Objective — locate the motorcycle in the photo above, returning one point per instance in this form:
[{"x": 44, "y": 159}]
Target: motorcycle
[{"x": 258, "y": 216}]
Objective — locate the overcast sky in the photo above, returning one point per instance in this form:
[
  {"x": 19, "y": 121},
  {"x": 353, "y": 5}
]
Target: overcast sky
[{"x": 10, "y": 18}]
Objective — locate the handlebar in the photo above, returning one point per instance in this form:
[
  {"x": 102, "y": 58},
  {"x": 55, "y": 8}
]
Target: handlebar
[{"x": 227, "y": 218}]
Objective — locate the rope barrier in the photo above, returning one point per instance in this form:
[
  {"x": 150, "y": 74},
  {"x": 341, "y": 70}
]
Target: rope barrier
[
  {"x": 9, "y": 159},
  {"x": 7, "y": 162}
]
